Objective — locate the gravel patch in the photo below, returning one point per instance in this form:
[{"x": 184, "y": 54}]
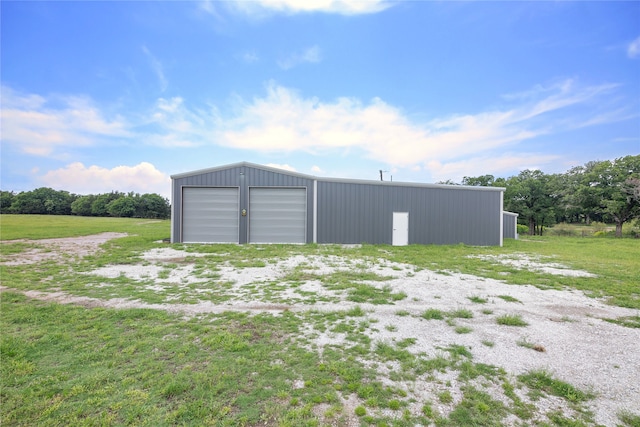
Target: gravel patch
[
  {"x": 58, "y": 249},
  {"x": 527, "y": 262}
]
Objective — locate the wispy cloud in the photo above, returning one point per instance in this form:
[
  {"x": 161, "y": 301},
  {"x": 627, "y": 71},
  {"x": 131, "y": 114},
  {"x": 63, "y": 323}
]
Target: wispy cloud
[
  {"x": 80, "y": 179},
  {"x": 157, "y": 68},
  {"x": 497, "y": 165},
  {"x": 259, "y": 8},
  {"x": 249, "y": 57},
  {"x": 309, "y": 55},
  {"x": 208, "y": 7},
  {"x": 171, "y": 124},
  {"x": 633, "y": 50},
  {"x": 285, "y": 121},
  {"x": 39, "y": 126}
]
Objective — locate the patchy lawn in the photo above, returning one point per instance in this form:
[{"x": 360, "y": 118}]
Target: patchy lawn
[{"x": 152, "y": 334}]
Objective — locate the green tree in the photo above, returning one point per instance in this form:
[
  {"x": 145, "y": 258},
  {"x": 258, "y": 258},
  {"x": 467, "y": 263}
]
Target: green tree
[
  {"x": 479, "y": 181},
  {"x": 529, "y": 195},
  {"x": 126, "y": 206},
  {"x": 581, "y": 196},
  {"x": 154, "y": 206},
  {"x": 618, "y": 185},
  {"x": 82, "y": 205},
  {"x": 43, "y": 200},
  {"x": 6, "y": 199},
  {"x": 99, "y": 205}
]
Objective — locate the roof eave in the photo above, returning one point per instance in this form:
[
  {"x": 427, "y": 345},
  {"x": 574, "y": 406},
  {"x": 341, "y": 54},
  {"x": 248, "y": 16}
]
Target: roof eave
[{"x": 338, "y": 180}]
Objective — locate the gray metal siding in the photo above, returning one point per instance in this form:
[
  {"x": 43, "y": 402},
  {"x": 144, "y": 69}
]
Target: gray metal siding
[
  {"x": 277, "y": 215},
  {"x": 510, "y": 225},
  {"x": 243, "y": 177},
  {"x": 359, "y": 213}
]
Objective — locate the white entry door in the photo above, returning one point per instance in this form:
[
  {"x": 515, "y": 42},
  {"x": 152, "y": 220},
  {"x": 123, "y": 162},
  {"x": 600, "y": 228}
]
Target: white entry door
[{"x": 400, "y": 236}]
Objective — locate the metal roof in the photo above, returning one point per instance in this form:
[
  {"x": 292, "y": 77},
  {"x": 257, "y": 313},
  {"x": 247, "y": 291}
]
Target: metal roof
[{"x": 342, "y": 180}]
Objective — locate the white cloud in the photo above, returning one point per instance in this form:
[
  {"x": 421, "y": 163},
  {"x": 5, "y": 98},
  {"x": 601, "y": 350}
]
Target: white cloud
[
  {"x": 309, "y": 55},
  {"x": 633, "y": 50},
  {"x": 316, "y": 169},
  {"x": 157, "y": 68},
  {"x": 208, "y": 7},
  {"x": 343, "y": 7},
  {"x": 498, "y": 165},
  {"x": 279, "y": 166},
  {"x": 285, "y": 121},
  {"x": 77, "y": 178},
  {"x": 39, "y": 126},
  {"x": 249, "y": 57},
  {"x": 172, "y": 124}
]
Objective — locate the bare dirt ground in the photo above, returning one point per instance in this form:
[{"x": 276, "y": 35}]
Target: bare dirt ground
[
  {"x": 58, "y": 249},
  {"x": 579, "y": 347}
]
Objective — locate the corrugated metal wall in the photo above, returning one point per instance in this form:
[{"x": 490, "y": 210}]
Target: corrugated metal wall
[
  {"x": 359, "y": 213},
  {"x": 510, "y": 225},
  {"x": 242, "y": 177}
]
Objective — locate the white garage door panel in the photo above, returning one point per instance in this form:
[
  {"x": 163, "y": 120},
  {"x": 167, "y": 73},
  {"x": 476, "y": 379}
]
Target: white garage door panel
[
  {"x": 277, "y": 215},
  {"x": 210, "y": 215}
]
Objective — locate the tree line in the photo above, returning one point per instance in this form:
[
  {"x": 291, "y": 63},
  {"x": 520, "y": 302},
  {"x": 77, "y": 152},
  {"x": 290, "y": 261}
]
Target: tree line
[
  {"x": 47, "y": 201},
  {"x": 605, "y": 191}
]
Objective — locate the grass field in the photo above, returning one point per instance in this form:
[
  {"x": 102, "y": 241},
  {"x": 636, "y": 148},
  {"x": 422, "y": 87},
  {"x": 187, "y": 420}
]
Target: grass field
[{"x": 72, "y": 365}]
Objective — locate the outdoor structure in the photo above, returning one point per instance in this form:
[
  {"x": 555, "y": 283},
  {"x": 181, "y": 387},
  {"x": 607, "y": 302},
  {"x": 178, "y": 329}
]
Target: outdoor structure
[
  {"x": 510, "y": 225},
  {"x": 249, "y": 203}
]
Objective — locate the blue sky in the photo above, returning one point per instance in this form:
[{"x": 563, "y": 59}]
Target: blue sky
[{"x": 101, "y": 96}]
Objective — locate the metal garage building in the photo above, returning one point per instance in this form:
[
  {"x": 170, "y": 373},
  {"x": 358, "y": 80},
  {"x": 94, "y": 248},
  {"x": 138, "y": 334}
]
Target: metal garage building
[{"x": 249, "y": 203}]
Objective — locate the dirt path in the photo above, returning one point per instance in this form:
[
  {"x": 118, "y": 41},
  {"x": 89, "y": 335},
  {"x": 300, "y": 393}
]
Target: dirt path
[{"x": 58, "y": 249}]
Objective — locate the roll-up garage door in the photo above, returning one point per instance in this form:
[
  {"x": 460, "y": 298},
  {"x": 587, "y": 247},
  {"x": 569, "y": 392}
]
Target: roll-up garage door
[
  {"x": 210, "y": 215},
  {"x": 277, "y": 215}
]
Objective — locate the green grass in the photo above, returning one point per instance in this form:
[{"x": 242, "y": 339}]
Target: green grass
[
  {"x": 463, "y": 329},
  {"x": 511, "y": 320},
  {"x": 460, "y": 313},
  {"x": 629, "y": 419},
  {"x": 543, "y": 381},
  {"x": 433, "y": 314},
  {"x": 627, "y": 321},
  {"x": 509, "y": 298},
  {"x": 71, "y": 365},
  {"x": 67, "y": 365},
  {"x": 476, "y": 409},
  {"x": 55, "y": 226},
  {"x": 477, "y": 299},
  {"x": 445, "y": 397}
]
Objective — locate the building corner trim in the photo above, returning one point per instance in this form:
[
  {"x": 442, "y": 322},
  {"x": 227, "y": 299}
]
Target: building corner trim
[
  {"x": 315, "y": 211},
  {"x": 501, "y": 218}
]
